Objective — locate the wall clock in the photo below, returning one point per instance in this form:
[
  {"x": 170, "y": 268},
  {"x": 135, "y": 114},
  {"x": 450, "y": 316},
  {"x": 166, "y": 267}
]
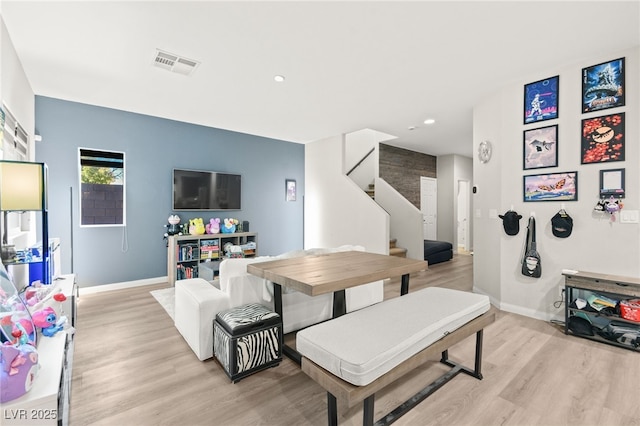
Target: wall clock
[{"x": 484, "y": 151}]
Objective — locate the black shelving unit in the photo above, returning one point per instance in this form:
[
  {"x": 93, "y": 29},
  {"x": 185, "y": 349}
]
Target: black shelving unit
[{"x": 582, "y": 285}]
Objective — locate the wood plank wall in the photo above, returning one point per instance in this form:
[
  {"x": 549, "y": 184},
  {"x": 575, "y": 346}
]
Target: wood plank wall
[{"x": 402, "y": 170}]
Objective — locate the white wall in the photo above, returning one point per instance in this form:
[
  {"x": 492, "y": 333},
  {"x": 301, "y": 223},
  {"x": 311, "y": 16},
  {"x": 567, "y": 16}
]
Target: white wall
[
  {"x": 17, "y": 95},
  {"x": 406, "y": 223},
  {"x": 336, "y": 210},
  {"x": 15, "y": 90},
  {"x": 596, "y": 244},
  {"x": 357, "y": 145}
]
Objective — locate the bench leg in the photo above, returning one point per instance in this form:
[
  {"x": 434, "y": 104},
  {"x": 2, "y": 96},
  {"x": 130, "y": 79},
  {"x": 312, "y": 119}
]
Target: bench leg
[
  {"x": 478, "y": 366},
  {"x": 332, "y": 410},
  {"x": 367, "y": 414},
  {"x": 477, "y": 369}
]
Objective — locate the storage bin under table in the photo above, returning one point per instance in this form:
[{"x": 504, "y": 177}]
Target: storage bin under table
[{"x": 247, "y": 339}]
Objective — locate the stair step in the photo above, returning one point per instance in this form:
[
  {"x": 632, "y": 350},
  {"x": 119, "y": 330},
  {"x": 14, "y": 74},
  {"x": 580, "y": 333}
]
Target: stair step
[
  {"x": 392, "y": 243},
  {"x": 398, "y": 252}
]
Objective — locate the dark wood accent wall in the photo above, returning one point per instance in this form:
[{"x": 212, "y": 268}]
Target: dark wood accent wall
[{"x": 402, "y": 169}]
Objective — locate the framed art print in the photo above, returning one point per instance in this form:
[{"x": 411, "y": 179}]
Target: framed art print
[
  {"x": 603, "y": 139},
  {"x": 540, "y": 147},
  {"x": 551, "y": 187},
  {"x": 290, "y": 190},
  {"x": 541, "y": 100},
  {"x": 603, "y": 86},
  {"x": 612, "y": 183}
]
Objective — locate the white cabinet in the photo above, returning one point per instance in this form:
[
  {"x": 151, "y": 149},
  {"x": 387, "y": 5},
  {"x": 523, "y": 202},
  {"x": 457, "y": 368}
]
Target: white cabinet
[{"x": 47, "y": 402}]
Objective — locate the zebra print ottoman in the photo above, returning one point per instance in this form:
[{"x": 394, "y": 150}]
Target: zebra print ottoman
[{"x": 247, "y": 339}]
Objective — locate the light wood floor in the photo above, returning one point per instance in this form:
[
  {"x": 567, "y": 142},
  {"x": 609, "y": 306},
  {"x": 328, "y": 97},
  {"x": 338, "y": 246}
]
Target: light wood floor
[{"x": 132, "y": 367}]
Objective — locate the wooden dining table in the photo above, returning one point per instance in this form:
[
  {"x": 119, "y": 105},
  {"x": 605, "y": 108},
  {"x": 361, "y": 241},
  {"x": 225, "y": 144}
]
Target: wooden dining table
[{"x": 332, "y": 272}]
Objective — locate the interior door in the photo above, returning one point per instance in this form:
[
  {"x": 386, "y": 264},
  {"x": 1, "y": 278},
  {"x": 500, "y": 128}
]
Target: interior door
[
  {"x": 429, "y": 207},
  {"x": 463, "y": 215}
]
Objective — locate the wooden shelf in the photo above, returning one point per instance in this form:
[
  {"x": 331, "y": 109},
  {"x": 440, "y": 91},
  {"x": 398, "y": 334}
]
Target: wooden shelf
[{"x": 186, "y": 253}]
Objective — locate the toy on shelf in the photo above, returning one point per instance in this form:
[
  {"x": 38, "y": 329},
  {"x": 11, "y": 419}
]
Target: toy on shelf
[
  {"x": 196, "y": 226},
  {"x": 213, "y": 227},
  {"x": 173, "y": 227},
  {"x": 18, "y": 355},
  {"x": 48, "y": 321},
  {"x": 229, "y": 226},
  {"x": 18, "y": 370}
]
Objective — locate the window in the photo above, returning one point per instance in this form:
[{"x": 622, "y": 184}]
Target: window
[{"x": 102, "y": 188}]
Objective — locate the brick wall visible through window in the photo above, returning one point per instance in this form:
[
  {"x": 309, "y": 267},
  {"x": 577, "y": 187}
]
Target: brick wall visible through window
[{"x": 102, "y": 189}]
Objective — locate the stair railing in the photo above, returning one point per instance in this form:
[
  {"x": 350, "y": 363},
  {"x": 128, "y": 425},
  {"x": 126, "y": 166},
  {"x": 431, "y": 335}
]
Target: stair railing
[{"x": 361, "y": 160}]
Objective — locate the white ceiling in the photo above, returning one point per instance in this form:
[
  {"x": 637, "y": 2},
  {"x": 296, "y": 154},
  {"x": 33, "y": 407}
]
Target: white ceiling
[{"x": 348, "y": 65}]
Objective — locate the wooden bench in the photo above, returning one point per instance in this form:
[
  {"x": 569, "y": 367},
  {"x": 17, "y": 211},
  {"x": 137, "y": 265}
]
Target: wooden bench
[{"x": 351, "y": 394}]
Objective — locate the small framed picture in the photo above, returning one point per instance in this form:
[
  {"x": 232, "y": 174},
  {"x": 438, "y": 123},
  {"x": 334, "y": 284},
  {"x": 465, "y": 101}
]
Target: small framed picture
[
  {"x": 603, "y": 139},
  {"x": 290, "y": 189},
  {"x": 541, "y": 100},
  {"x": 551, "y": 187},
  {"x": 603, "y": 86},
  {"x": 612, "y": 183},
  {"x": 540, "y": 148}
]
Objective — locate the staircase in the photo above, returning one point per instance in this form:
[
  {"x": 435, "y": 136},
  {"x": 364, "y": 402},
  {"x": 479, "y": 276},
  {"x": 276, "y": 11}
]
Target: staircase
[
  {"x": 371, "y": 191},
  {"x": 396, "y": 251}
]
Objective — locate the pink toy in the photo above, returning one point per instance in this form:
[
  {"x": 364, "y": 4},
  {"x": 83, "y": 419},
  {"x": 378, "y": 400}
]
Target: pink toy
[
  {"x": 47, "y": 320},
  {"x": 213, "y": 227},
  {"x": 18, "y": 370}
]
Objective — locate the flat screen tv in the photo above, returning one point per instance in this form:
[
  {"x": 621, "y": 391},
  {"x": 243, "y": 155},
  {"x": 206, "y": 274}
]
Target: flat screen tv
[{"x": 204, "y": 190}]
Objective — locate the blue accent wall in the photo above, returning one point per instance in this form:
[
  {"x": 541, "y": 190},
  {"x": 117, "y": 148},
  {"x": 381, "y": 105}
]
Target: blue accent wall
[{"x": 153, "y": 147}]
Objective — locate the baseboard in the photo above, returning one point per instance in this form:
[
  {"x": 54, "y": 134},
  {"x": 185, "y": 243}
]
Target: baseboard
[
  {"x": 121, "y": 286},
  {"x": 515, "y": 309}
]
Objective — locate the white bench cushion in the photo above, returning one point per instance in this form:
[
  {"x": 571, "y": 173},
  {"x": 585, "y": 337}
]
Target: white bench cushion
[{"x": 363, "y": 345}]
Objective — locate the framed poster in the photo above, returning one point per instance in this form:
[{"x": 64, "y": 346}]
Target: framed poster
[
  {"x": 540, "y": 147},
  {"x": 541, "y": 100},
  {"x": 603, "y": 139},
  {"x": 603, "y": 86},
  {"x": 612, "y": 183},
  {"x": 290, "y": 189},
  {"x": 551, "y": 187}
]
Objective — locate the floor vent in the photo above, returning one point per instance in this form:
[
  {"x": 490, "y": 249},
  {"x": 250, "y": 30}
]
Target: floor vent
[{"x": 174, "y": 63}]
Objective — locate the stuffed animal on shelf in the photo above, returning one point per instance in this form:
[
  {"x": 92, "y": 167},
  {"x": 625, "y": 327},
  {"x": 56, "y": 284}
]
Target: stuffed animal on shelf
[
  {"x": 229, "y": 226},
  {"x": 196, "y": 226},
  {"x": 18, "y": 370},
  {"x": 213, "y": 227},
  {"x": 48, "y": 320}
]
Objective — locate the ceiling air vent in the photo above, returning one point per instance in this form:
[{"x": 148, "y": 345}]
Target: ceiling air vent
[{"x": 174, "y": 63}]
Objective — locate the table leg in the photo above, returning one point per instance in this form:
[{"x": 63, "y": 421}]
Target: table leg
[
  {"x": 404, "y": 287},
  {"x": 290, "y": 352},
  {"x": 339, "y": 303}
]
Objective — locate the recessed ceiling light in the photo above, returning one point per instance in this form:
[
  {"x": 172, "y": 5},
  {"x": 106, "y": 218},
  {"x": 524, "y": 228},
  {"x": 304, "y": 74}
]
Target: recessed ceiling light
[
  {"x": 411, "y": 127},
  {"x": 279, "y": 78},
  {"x": 429, "y": 121}
]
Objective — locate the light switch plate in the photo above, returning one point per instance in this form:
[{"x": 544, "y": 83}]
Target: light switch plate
[{"x": 629, "y": 216}]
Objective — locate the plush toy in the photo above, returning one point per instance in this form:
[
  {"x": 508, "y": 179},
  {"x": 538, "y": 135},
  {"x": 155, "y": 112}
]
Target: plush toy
[
  {"x": 48, "y": 320},
  {"x": 196, "y": 226},
  {"x": 173, "y": 227},
  {"x": 229, "y": 226},
  {"x": 213, "y": 227},
  {"x": 18, "y": 370}
]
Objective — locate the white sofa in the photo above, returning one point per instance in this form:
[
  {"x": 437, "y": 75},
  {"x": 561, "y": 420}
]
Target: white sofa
[{"x": 197, "y": 301}]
